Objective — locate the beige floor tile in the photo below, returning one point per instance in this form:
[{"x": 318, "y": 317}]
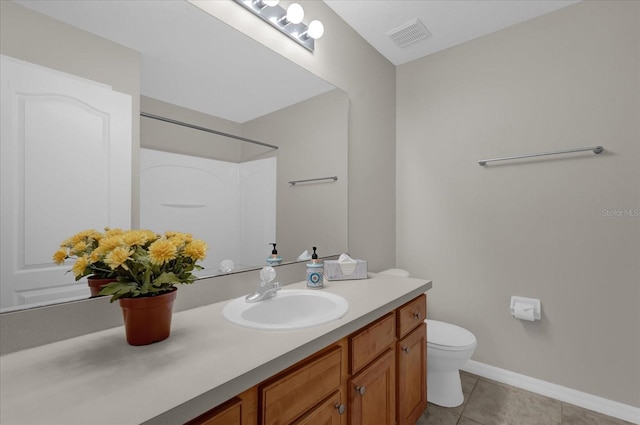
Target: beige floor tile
[
  {"x": 436, "y": 415},
  {"x": 574, "y": 415},
  {"x": 468, "y": 383},
  {"x": 488, "y": 402},
  {"x": 492, "y": 404},
  {"x": 465, "y": 421}
]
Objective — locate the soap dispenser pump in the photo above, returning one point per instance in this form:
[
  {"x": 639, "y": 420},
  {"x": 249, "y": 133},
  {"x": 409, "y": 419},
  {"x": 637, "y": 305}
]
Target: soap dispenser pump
[
  {"x": 315, "y": 272},
  {"x": 274, "y": 259}
]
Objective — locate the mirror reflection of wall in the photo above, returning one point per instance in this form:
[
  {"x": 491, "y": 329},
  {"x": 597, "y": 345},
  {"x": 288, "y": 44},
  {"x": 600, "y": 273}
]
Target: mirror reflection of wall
[
  {"x": 312, "y": 139},
  {"x": 130, "y": 59}
]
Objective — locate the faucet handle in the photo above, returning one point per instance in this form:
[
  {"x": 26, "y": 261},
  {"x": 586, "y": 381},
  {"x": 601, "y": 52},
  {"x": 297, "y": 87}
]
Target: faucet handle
[{"x": 267, "y": 274}]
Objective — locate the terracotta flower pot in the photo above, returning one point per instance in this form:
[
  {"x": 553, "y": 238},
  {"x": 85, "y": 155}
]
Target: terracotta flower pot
[
  {"x": 95, "y": 285},
  {"x": 148, "y": 319}
]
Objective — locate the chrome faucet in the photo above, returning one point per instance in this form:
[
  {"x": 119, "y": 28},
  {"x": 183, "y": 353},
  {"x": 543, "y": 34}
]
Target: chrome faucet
[{"x": 266, "y": 287}]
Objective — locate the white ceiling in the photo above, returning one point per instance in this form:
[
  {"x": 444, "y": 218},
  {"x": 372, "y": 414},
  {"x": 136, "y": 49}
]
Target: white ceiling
[
  {"x": 451, "y": 22},
  {"x": 191, "y": 59}
]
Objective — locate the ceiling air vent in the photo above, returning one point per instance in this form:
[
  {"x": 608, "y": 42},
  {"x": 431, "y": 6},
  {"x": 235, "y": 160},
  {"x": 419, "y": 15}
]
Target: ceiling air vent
[{"x": 409, "y": 33}]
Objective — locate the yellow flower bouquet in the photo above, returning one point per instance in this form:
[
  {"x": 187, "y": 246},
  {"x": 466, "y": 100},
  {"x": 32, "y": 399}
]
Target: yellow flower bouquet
[
  {"x": 143, "y": 262},
  {"x": 82, "y": 246}
]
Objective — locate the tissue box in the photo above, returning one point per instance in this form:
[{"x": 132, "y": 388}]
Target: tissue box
[{"x": 333, "y": 271}]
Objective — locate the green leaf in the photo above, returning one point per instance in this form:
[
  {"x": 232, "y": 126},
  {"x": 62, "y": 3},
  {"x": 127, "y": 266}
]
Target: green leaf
[{"x": 119, "y": 289}]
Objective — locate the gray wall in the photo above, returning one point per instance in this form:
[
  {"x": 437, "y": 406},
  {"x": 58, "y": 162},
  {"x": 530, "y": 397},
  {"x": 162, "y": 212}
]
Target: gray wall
[{"x": 537, "y": 228}]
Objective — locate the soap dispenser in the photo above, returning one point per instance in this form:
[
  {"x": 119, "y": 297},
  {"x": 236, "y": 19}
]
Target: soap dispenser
[
  {"x": 274, "y": 259},
  {"x": 315, "y": 272}
]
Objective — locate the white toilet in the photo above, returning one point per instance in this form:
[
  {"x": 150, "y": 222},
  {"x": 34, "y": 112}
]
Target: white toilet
[{"x": 449, "y": 347}]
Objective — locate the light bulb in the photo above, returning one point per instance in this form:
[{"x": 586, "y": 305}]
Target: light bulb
[
  {"x": 316, "y": 29},
  {"x": 295, "y": 13}
]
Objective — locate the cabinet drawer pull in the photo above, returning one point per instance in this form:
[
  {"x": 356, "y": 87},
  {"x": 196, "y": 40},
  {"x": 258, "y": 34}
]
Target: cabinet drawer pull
[
  {"x": 406, "y": 349},
  {"x": 417, "y": 315},
  {"x": 340, "y": 408},
  {"x": 361, "y": 390}
]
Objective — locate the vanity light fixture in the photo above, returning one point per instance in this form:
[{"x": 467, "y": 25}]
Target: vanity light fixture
[{"x": 288, "y": 21}]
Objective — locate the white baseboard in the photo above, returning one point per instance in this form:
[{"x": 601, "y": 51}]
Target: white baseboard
[{"x": 558, "y": 392}]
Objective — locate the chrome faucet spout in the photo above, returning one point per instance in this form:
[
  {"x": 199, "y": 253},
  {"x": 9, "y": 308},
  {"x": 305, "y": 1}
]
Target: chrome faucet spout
[
  {"x": 264, "y": 292},
  {"x": 266, "y": 287}
]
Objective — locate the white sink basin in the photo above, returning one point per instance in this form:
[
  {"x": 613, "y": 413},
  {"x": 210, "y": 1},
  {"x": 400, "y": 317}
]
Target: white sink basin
[{"x": 290, "y": 309}]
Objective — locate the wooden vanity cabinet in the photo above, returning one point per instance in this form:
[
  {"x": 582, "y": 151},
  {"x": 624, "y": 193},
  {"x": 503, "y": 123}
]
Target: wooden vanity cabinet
[
  {"x": 240, "y": 410},
  {"x": 375, "y": 376},
  {"x": 372, "y": 393},
  {"x": 371, "y": 341},
  {"x": 411, "y": 315},
  {"x": 411, "y": 355},
  {"x": 229, "y": 413},
  {"x": 371, "y": 388},
  {"x": 329, "y": 412},
  {"x": 309, "y": 392}
]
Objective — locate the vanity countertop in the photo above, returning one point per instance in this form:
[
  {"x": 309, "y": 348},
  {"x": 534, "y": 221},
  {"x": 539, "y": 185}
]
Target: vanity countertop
[{"x": 99, "y": 379}]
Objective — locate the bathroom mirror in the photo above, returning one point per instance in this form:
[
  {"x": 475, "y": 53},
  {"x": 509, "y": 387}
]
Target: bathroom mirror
[{"x": 270, "y": 99}]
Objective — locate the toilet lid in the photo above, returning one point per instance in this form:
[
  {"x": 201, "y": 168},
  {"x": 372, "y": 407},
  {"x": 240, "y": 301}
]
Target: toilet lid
[{"x": 448, "y": 335}]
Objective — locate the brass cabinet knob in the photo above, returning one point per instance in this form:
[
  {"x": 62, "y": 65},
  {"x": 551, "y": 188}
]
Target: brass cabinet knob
[
  {"x": 340, "y": 408},
  {"x": 361, "y": 390}
]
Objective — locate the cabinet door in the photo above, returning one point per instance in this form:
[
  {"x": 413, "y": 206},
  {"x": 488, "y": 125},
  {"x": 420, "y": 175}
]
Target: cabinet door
[
  {"x": 329, "y": 412},
  {"x": 372, "y": 393},
  {"x": 412, "y": 376}
]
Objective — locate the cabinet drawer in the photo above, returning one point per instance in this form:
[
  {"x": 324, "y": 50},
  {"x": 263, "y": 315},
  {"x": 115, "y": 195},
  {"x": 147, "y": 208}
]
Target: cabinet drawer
[
  {"x": 367, "y": 344},
  {"x": 286, "y": 398},
  {"x": 411, "y": 315}
]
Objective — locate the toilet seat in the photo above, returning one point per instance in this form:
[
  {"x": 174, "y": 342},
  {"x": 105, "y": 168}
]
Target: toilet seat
[{"x": 448, "y": 337}]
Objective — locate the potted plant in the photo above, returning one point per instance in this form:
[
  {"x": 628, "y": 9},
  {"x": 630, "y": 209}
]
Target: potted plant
[
  {"x": 147, "y": 267},
  {"x": 82, "y": 247}
]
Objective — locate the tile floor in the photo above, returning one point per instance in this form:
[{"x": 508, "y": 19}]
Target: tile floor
[{"x": 489, "y": 402}]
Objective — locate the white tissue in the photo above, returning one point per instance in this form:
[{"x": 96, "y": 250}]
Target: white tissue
[
  {"x": 305, "y": 256},
  {"x": 523, "y": 311},
  {"x": 525, "y": 308},
  {"x": 347, "y": 264}
]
